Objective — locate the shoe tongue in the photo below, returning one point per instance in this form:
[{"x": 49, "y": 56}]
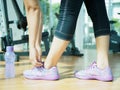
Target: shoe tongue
[
  {"x": 37, "y": 68},
  {"x": 94, "y": 63}
]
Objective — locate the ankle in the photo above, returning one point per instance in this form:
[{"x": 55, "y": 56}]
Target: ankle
[
  {"x": 102, "y": 65},
  {"x": 102, "y": 62},
  {"x": 48, "y": 66}
]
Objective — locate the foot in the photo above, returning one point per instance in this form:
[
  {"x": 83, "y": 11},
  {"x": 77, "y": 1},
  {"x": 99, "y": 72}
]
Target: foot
[
  {"x": 93, "y": 72},
  {"x": 40, "y": 73}
]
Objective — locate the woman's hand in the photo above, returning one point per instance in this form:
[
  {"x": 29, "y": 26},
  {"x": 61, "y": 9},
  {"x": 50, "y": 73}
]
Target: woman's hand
[{"x": 35, "y": 57}]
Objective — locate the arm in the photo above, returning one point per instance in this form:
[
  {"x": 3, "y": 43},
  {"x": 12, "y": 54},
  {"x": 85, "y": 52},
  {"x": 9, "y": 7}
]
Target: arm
[{"x": 34, "y": 19}]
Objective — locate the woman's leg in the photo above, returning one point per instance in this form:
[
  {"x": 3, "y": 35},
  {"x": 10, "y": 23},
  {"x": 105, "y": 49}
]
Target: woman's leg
[
  {"x": 35, "y": 27},
  {"x": 98, "y": 14},
  {"x": 58, "y": 46},
  {"x": 102, "y": 44},
  {"x": 100, "y": 70},
  {"x": 69, "y": 11}
]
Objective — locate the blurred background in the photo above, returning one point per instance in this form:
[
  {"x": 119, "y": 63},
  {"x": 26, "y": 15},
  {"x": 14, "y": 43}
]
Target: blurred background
[{"x": 84, "y": 36}]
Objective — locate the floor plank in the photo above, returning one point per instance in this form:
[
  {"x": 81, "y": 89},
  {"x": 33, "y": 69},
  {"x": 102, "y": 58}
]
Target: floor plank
[{"x": 67, "y": 65}]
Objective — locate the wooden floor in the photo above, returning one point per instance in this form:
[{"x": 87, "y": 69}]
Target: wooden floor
[{"x": 67, "y": 66}]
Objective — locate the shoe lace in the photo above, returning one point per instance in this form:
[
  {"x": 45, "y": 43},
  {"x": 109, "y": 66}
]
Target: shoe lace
[
  {"x": 90, "y": 68},
  {"x": 39, "y": 70},
  {"x": 93, "y": 65}
]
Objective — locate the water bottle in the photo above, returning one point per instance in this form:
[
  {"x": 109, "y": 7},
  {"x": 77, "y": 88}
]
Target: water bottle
[{"x": 9, "y": 62}]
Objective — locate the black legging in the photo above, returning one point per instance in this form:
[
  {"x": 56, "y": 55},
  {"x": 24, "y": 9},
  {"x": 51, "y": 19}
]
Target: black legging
[{"x": 69, "y": 11}]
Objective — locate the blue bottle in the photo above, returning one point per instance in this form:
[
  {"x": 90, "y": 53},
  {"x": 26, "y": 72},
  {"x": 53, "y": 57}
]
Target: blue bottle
[{"x": 9, "y": 62}]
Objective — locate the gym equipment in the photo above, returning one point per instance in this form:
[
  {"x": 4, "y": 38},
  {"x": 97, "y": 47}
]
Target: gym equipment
[
  {"x": 72, "y": 49},
  {"x": 114, "y": 39},
  {"x": 21, "y": 24},
  {"x": 114, "y": 42}
]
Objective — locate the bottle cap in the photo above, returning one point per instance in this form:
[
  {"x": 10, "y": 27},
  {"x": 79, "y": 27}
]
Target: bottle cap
[{"x": 9, "y": 48}]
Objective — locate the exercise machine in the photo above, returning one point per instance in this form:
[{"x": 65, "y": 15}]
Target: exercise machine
[
  {"x": 21, "y": 24},
  {"x": 114, "y": 39}
]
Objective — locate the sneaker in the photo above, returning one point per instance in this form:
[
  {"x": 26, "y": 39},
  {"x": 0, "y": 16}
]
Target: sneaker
[
  {"x": 93, "y": 72},
  {"x": 40, "y": 73}
]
